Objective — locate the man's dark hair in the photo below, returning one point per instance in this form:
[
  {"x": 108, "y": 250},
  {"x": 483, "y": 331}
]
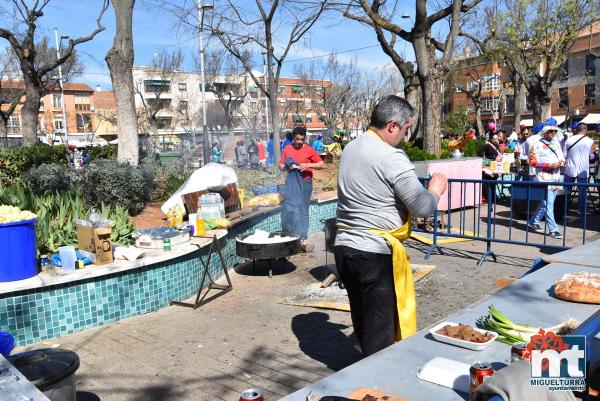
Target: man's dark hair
[
  {"x": 299, "y": 131},
  {"x": 581, "y": 127},
  {"x": 391, "y": 108}
]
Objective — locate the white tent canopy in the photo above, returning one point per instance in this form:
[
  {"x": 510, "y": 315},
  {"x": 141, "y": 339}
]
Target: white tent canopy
[{"x": 591, "y": 119}]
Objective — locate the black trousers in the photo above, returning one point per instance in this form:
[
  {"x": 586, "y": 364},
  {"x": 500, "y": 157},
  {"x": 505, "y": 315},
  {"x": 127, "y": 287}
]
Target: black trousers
[{"x": 369, "y": 280}]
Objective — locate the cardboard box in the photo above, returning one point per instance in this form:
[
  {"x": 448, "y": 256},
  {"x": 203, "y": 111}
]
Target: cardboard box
[{"x": 97, "y": 241}]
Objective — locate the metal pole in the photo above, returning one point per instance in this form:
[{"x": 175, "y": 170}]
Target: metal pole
[
  {"x": 266, "y": 98},
  {"x": 62, "y": 89},
  {"x": 205, "y": 144}
]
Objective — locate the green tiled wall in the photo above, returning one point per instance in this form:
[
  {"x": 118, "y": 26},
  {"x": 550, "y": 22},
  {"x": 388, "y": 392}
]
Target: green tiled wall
[{"x": 35, "y": 315}]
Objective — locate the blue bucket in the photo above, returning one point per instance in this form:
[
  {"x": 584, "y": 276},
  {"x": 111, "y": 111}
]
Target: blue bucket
[
  {"x": 18, "y": 259},
  {"x": 7, "y": 343}
]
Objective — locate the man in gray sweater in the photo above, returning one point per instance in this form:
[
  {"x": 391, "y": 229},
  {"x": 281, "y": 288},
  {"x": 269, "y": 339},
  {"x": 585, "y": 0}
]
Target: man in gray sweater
[{"x": 377, "y": 189}]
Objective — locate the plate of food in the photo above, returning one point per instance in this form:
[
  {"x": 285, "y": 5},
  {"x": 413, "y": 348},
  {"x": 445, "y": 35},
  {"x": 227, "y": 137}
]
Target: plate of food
[{"x": 463, "y": 335}]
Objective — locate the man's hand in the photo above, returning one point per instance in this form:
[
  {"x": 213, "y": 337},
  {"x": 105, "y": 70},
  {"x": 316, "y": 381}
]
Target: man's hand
[{"x": 438, "y": 184}]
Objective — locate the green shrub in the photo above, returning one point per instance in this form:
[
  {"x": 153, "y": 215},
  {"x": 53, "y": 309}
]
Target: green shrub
[
  {"x": 57, "y": 213},
  {"x": 168, "y": 178},
  {"x": 472, "y": 147},
  {"x": 446, "y": 154},
  {"x": 15, "y": 161},
  {"x": 117, "y": 183},
  {"x": 106, "y": 152},
  {"x": 49, "y": 178},
  {"x": 415, "y": 153}
]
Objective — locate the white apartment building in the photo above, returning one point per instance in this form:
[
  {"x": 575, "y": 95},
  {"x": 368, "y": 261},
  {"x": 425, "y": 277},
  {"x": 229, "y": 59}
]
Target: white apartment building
[{"x": 178, "y": 98}]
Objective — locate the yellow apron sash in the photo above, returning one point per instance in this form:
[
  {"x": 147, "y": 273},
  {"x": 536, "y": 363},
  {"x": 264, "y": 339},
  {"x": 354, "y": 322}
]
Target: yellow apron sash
[{"x": 406, "y": 304}]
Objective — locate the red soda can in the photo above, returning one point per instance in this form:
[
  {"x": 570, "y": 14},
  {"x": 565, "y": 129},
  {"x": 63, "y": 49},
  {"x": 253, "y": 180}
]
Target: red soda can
[
  {"x": 517, "y": 351},
  {"x": 479, "y": 371},
  {"x": 251, "y": 395}
]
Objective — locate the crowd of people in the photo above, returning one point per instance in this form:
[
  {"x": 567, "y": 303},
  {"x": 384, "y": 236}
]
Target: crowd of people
[{"x": 545, "y": 154}]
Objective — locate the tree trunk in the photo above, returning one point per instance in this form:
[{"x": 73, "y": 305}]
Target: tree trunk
[
  {"x": 120, "y": 63},
  {"x": 518, "y": 96},
  {"x": 29, "y": 114},
  {"x": 431, "y": 90},
  {"x": 3, "y": 133},
  {"x": 537, "y": 109},
  {"x": 412, "y": 94},
  {"x": 546, "y": 110},
  {"x": 480, "y": 129}
]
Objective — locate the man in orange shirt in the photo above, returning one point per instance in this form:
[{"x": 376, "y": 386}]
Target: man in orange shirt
[{"x": 299, "y": 159}]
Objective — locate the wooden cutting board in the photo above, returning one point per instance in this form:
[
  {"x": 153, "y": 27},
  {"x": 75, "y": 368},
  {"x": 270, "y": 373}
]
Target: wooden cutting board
[{"x": 360, "y": 393}]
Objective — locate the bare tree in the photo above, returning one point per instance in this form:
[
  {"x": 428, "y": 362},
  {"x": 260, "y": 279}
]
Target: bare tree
[
  {"x": 380, "y": 15},
  {"x": 250, "y": 28},
  {"x": 12, "y": 91},
  {"x": 333, "y": 87},
  {"x": 21, "y": 37},
  {"x": 534, "y": 37},
  {"x": 228, "y": 82},
  {"x": 120, "y": 63},
  {"x": 164, "y": 67}
]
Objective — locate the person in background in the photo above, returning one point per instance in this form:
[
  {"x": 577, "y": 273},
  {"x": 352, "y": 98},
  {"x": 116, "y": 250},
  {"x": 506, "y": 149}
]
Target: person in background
[
  {"x": 578, "y": 152},
  {"x": 318, "y": 145},
  {"x": 522, "y": 155},
  {"x": 378, "y": 192},
  {"x": 545, "y": 160},
  {"x": 491, "y": 151},
  {"x": 288, "y": 140},
  {"x": 270, "y": 150},
  {"x": 299, "y": 159},
  {"x": 252, "y": 154},
  {"x": 217, "y": 155},
  {"x": 261, "y": 152},
  {"x": 532, "y": 140}
]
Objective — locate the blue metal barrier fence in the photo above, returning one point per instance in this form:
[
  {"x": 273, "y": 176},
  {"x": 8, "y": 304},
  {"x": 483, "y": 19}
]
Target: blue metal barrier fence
[{"x": 504, "y": 216}]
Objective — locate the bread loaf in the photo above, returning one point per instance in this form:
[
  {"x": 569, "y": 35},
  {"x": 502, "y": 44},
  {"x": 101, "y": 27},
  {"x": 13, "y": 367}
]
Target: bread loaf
[{"x": 579, "y": 287}]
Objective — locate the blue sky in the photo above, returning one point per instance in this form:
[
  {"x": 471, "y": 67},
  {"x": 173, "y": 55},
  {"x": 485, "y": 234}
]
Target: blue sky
[{"x": 155, "y": 29}]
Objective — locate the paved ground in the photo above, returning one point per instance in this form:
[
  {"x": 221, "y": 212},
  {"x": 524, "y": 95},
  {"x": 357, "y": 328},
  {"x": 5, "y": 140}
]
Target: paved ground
[{"x": 246, "y": 339}]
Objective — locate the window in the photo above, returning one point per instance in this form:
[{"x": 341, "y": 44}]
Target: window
[
  {"x": 491, "y": 82},
  {"x": 56, "y": 103},
  {"x": 460, "y": 88},
  {"x": 563, "y": 98},
  {"x": 183, "y": 105},
  {"x": 309, "y": 119},
  {"x": 84, "y": 122},
  {"x": 590, "y": 95},
  {"x": 182, "y": 87},
  {"x": 13, "y": 125},
  {"x": 528, "y": 102},
  {"x": 471, "y": 86},
  {"x": 297, "y": 89},
  {"x": 322, "y": 119},
  {"x": 157, "y": 85},
  {"x": 563, "y": 71},
  {"x": 298, "y": 120},
  {"x": 163, "y": 122},
  {"x": 282, "y": 103},
  {"x": 159, "y": 104},
  {"x": 590, "y": 65},
  {"x": 489, "y": 104},
  {"x": 82, "y": 102},
  {"x": 58, "y": 123},
  {"x": 471, "y": 108},
  {"x": 509, "y": 106}
]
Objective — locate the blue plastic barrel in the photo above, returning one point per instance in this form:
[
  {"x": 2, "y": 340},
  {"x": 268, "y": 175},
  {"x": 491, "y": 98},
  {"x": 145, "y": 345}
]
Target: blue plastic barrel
[
  {"x": 7, "y": 343},
  {"x": 18, "y": 250}
]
